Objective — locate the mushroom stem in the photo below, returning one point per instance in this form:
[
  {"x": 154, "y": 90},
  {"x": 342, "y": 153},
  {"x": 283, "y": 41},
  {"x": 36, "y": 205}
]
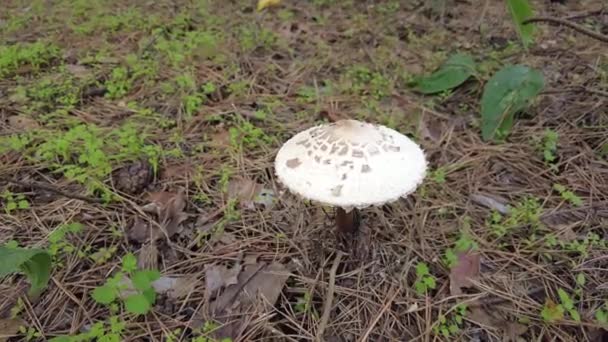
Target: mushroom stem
[{"x": 347, "y": 222}]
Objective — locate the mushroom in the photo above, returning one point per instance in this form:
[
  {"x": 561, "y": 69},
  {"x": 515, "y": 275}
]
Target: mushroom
[{"x": 350, "y": 165}]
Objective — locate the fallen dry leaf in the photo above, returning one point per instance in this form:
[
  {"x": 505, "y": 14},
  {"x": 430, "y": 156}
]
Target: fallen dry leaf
[
  {"x": 249, "y": 193},
  {"x": 243, "y": 189},
  {"x": 183, "y": 286},
  {"x": 492, "y": 202},
  {"x": 466, "y": 270},
  {"x": 22, "y": 122},
  {"x": 169, "y": 209},
  {"x": 489, "y": 318},
  {"x": 79, "y": 71},
  {"x": 164, "y": 284},
  {"x": 9, "y": 327},
  {"x": 429, "y": 129},
  {"x": 147, "y": 259},
  {"x": 178, "y": 171},
  {"x": 258, "y": 286},
  {"x": 218, "y": 277}
]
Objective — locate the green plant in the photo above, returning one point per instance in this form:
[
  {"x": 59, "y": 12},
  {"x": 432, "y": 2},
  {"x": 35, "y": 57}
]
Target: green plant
[
  {"x": 424, "y": 279},
  {"x": 58, "y": 244},
  {"x": 361, "y": 80},
  {"x": 143, "y": 296},
  {"x": 550, "y": 145},
  {"x": 103, "y": 254},
  {"x": 601, "y": 314},
  {"x": 455, "y": 71},
  {"x": 303, "y": 305},
  {"x": 247, "y": 135},
  {"x": 506, "y": 93},
  {"x": 568, "y": 195},
  {"x": 448, "y": 326},
  {"x": 34, "y": 55},
  {"x": 100, "y": 331},
  {"x": 207, "y": 328},
  {"x": 464, "y": 244},
  {"x": 14, "y": 202},
  {"x": 119, "y": 83},
  {"x": 525, "y": 213},
  {"x": 552, "y": 311},
  {"x": 521, "y": 11},
  {"x": 35, "y": 263}
]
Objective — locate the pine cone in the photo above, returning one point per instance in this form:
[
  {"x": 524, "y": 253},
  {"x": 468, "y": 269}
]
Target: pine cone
[{"x": 133, "y": 178}]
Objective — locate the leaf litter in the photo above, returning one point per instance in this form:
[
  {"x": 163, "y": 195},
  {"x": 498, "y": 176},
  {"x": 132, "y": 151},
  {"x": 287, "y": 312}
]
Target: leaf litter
[
  {"x": 464, "y": 272},
  {"x": 255, "y": 292},
  {"x": 168, "y": 207},
  {"x": 250, "y": 193}
]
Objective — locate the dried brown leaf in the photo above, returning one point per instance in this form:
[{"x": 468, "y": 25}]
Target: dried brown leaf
[
  {"x": 79, "y": 71},
  {"x": 147, "y": 259},
  {"x": 183, "y": 286},
  {"x": 249, "y": 193},
  {"x": 256, "y": 280},
  {"x": 258, "y": 286},
  {"x": 488, "y": 318},
  {"x": 218, "y": 277},
  {"x": 243, "y": 189},
  {"x": 177, "y": 171},
  {"x": 492, "y": 202},
  {"x": 23, "y": 123},
  {"x": 139, "y": 231},
  {"x": 169, "y": 209},
  {"x": 466, "y": 270},
  {"x": 9, "y": 327}
]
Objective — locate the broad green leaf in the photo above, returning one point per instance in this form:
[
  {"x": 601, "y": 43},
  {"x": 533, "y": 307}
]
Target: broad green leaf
[
  {"x": 552, "y": 312},
  {"x": 137, "y": 304},
  {"x": 565, "y": 299},
  {"x": 506, "y": 93},
  {"x": 521, "y": 11},
  {"x": 142, "y": 280},
  {"x": 150, "y": 295},
  {"x": 104, "y": 294},
  {"x": 575, "y": 315},
  {"x": 129, "y": 263},
  {"x": 422, "y": 269},
  {"x": 454, "y": 71},
  {"x": 34, "y": 263}
]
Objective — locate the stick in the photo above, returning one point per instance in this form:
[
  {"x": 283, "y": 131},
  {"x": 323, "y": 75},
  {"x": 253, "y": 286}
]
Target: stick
[
  {"x": 50, "y": 188},
  {"x": 382, "y": 311},
  {"x": 330, "y": 297},
  {"x": 574, "y": 26}
]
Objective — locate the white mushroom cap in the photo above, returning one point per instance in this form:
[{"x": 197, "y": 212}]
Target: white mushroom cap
[{"x": 351, "y": 164}]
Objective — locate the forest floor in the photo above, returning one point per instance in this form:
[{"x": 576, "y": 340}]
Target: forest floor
[{"x": 141, "y": 135}]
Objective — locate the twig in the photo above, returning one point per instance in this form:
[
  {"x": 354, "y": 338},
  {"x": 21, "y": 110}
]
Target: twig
[
  {"x": 574, "y": 26},
  {"x": 382, "y": 311},
  {"x": 330, "y": 296},
  {"x": 50, "y": 188}
]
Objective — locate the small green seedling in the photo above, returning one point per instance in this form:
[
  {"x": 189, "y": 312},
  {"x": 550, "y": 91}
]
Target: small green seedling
[
  {"x": 451, "y": 325},
  {"x": 144, "y": 295},
  {"x": 464, "y": 244},
  {"x": 13, "y": 202},
  {"x": 424, "y": 279},
  {"x": 58, "y": 244},
  {"x": 552, "y": 311},
  {"x": 550, "y": 146},
  {"x": 601, "y": 315},
  {"x": 99, "y": 331},
  {"x": 568, "y": 195}
]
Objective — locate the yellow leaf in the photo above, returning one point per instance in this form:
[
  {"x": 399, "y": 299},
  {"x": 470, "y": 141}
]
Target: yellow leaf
[{"x": 267, "y": 3}]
